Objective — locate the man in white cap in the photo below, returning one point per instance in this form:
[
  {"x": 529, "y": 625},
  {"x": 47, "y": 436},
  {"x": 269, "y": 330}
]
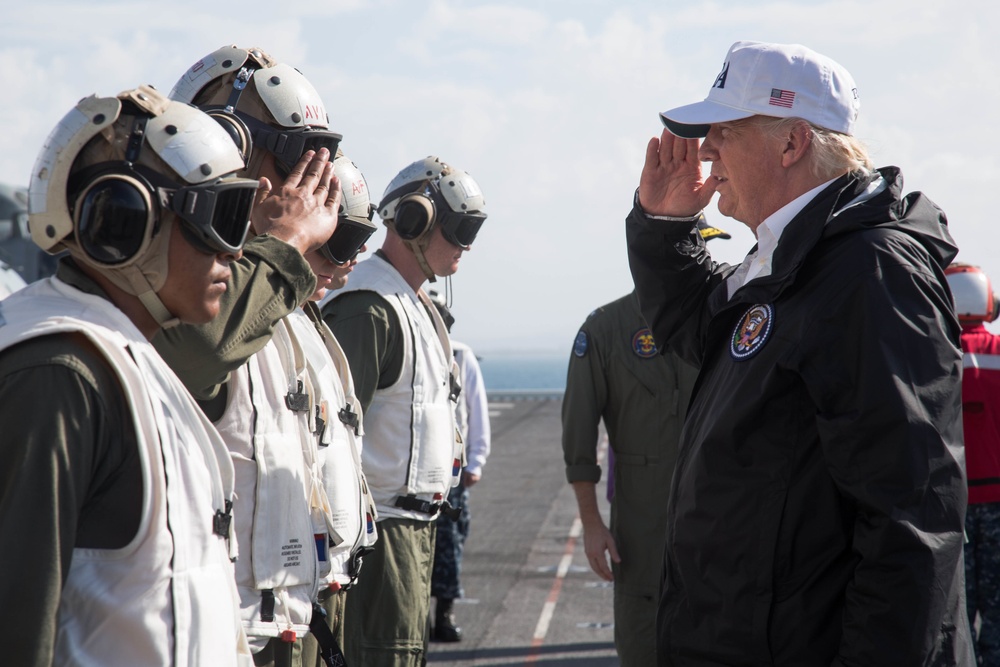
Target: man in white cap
[{"x": 817, "y": 507}]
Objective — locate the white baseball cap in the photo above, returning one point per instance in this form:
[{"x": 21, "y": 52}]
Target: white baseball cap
[{"x": 782, "y": 80}]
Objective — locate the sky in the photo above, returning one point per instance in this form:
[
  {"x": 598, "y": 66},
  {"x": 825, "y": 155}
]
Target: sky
[{"x": 549, "y": 104}]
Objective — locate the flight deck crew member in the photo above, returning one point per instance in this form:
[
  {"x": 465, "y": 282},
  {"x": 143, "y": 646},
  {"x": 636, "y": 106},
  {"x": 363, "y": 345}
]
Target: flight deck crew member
[
  {"x": 617, "y": 374},
  {"x": 975, "y": 304},
  {"x": 115, "y": 492},
  {"x": 340, "y": 444},
  {"x": 249, "y": 370},
  {"x": 403, "y": 368},
  {"x": 816, "y": 515}
]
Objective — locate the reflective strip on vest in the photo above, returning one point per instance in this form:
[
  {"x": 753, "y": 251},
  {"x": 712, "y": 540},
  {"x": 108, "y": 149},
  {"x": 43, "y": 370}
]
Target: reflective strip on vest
[{"x": 988, "y": 362}]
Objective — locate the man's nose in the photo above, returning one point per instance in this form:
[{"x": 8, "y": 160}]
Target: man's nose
[{"x": 707, "y": 152}]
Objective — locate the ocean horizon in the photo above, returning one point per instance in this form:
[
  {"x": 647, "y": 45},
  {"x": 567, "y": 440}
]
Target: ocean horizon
[{"x": 524, "y": 371}]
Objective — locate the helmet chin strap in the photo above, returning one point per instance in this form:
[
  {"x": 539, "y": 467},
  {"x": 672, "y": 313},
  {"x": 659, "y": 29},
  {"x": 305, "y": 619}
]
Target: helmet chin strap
[
  {"x": 133, "y": 281},
  {"x": 151, "y": 301},
  {"x": 146, "y": 275},
  {"x": 141, "y": 288},
  {"x": 417, "y": 248},
  {"x": 422, "y": 261}
]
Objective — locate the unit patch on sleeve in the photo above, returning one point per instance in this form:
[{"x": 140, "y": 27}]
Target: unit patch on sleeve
[
  {"x": 580, "y": 344},
  {"x": 752, "y": 331},
  {"x": 643, "y": 344}
]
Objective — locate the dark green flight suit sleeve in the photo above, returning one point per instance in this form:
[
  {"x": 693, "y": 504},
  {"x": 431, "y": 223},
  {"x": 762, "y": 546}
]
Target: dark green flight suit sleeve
[
  {"x": 583, "y": 405},
  {"x": 270, "y": 281},
  {"x": 70, "y": 478},
  {"x": 369, "y": 331}
]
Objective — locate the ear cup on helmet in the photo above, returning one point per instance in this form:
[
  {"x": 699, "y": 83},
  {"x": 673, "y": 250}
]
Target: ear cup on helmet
[
  {"x": 237, "y": 130},
  {"x": 414, "y": 218},
  {"x": 113, "y": 218}
]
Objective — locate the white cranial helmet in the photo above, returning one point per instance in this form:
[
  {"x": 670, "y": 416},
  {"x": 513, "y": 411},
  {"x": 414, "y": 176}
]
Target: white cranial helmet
[
  {"x": 117, "y": 172},
  {"x": 354, "y": 226},
  {"x": 429, "y": 193},
  {"x": 356, "y": 201},
  {"x": 972, "y": 293},
  {"x": 264, "y": 105}
]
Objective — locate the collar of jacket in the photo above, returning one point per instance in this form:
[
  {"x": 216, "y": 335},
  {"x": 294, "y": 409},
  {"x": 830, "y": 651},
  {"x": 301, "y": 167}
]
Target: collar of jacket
[{"x": 810, "y": 226}]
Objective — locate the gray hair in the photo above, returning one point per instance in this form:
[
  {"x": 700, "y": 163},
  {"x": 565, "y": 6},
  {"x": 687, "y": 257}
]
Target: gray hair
[{"x": 833, "y": 153}]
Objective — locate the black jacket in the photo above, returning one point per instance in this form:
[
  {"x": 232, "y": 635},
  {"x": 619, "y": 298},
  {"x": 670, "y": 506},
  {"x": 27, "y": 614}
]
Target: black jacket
[{"x": 818, "y": 502}]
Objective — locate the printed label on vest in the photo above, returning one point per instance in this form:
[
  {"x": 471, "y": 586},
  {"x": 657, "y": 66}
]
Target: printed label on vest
[{"x": 291, "y": 553}]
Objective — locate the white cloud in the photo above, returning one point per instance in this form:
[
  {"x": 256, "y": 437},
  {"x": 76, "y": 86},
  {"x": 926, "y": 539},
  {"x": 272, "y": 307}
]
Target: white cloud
[{"x": 549, "y": 105}]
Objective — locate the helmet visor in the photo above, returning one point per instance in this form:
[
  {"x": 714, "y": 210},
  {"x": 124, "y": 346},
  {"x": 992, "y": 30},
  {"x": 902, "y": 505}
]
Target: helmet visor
[{"x": 347, "y": 240}]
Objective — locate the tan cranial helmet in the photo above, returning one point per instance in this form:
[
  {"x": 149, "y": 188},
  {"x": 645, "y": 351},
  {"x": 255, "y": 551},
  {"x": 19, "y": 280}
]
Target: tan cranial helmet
[
  {"x": 266, "y": 106},
  {"x": 117, "y": 173}
]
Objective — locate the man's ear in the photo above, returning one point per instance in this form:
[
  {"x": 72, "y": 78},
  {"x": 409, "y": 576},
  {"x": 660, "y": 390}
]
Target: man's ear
[{"x": 796, "y": 144}]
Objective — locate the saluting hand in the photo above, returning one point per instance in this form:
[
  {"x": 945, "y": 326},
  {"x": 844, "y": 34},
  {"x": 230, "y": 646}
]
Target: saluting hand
[
  {"x": 671, "y": 182},
  {"x": 303, "y": 212}
]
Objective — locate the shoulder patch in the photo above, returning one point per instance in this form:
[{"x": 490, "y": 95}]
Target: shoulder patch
[
  {"x": 580, "y": 344},
  {"x": 643, "y": 344},
  {"x": 752, "y": 331}
]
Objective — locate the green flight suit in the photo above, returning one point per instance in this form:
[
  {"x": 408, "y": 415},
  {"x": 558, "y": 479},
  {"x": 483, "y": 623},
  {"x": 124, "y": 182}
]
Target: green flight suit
[{"x": 617, "y": 374}]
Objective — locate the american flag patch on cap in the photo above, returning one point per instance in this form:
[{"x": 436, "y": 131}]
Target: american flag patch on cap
[{"x": 781, "y": 98}]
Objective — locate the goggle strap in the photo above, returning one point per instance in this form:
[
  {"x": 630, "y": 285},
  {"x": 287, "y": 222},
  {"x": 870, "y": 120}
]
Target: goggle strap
[
  {"x": 239, "y": 83},
  {"x": 135, "y": 139}
]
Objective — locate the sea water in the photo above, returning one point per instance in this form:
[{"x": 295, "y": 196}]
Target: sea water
[{"x": 524, "y": 371}]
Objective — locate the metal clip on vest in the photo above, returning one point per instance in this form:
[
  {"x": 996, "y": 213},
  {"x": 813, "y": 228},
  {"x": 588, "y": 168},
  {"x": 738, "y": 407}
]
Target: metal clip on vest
[
  {"x": 349, "y": 417},
  {"x": 222, "y": 520}
]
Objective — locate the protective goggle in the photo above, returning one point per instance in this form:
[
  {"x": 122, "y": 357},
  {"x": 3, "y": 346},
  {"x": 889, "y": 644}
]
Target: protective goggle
[
  {"x": 348, "y": 238},
  {"x": 418, "y": 212},
  {"x": 460, "y": 228},
  {"x": 288, "y": 145},
  {"x": 115, "y": 217},
  {"x": 218, "y": 213}
]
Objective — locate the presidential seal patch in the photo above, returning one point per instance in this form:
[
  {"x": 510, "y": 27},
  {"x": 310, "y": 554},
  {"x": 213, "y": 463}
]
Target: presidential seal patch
[
  {"x": 643, "y": 344},
  {"x": 752, "y": 331},
  {"x": 580, "y": 344}
]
